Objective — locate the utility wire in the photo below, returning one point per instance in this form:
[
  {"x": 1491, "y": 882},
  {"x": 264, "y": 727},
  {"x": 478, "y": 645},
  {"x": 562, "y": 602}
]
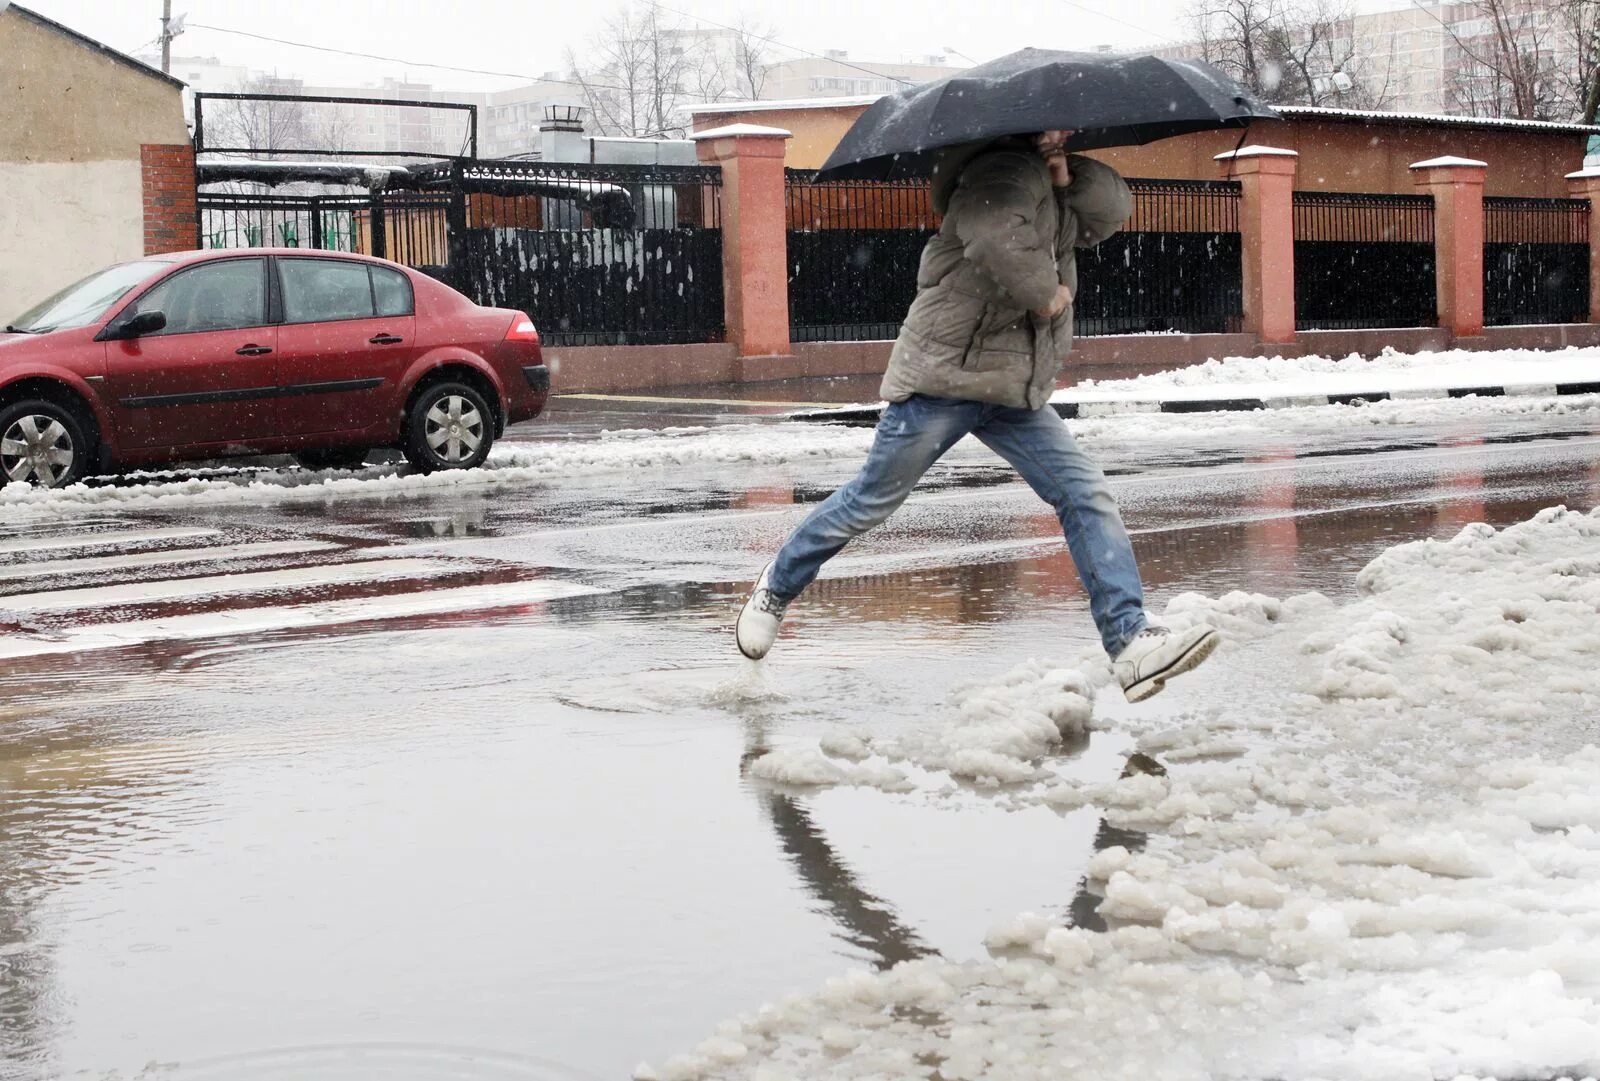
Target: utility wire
[
  {"x": 397, "y": 59},
  {"x": 1124, "y": 22},
  {"x": 784, "y": 45}
]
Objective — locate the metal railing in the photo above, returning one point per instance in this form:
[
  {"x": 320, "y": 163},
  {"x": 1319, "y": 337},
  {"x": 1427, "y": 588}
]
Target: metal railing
[
  {"x": 1363, "y": 261},
  {"x": 854, "y": 247},
  {"x": 596, "y": 254},
  {"x": 853, "y": 253},
  {"x": 1535, "y": 261},
  {"x": 408, "y": 227},
  {"x": 1175, "y": 267}
]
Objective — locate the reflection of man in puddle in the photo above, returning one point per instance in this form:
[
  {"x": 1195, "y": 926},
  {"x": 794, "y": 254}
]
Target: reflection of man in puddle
[{"x": 978, "y": 355}]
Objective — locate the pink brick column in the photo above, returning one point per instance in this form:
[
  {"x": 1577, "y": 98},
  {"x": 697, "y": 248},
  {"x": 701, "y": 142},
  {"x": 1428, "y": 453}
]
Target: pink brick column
[
  {"x": 1266, "y": 228},
  {"x": 1585, "y": 184},
  {"x": 169, "y": 197},
  {"x": 1456, "y": 185},
  {"x": 755, "y": 254}
]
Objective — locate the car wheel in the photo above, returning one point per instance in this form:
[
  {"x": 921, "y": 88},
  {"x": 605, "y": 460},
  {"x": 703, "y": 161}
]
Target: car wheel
[
  {"x": 43, "y": 443},
  {"x": 342, "y": 458},
  {"x": 449, "y": 427}
]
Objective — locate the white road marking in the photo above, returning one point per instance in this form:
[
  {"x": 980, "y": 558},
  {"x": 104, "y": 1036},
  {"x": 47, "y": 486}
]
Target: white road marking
[
  {"x": 103, "y": 540},
  {"x": 164, "y": 557},
  {"x": 252, "y": 582},
  {"x": 260, "y": 620}
]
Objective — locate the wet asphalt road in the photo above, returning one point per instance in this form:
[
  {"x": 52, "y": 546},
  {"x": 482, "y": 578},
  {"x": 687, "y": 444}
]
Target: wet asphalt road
[{"x": 394, "y": 833}]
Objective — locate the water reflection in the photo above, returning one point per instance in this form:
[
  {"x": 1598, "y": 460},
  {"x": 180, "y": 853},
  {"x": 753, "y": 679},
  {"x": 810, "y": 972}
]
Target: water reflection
[{"x": 861, "y": 919}]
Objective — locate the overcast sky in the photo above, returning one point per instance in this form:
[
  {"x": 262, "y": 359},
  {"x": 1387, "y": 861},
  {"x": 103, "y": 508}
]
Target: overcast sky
[{"x": 531, "y": 36}]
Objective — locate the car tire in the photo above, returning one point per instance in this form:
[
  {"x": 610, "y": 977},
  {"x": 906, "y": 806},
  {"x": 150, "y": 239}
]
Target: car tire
[
  {"x": 341, "y": 458},
  {"x": 449, "y": 426},
  {"x": 46, "y": 444}
]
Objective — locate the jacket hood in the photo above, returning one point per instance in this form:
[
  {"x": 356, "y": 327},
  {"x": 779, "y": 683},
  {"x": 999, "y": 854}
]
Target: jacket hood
[{"x": 950, "y": 161}]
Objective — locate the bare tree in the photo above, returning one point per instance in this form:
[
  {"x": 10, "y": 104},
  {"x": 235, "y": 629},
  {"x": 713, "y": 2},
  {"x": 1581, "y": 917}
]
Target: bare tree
[
  {"x": 1300, "y": 52},
  {"x": 637, "y": 73},
  {"x": 261, "y": 124},
  {"x": 1507, "y": 63},
  {"x": 752, "y": 55}
]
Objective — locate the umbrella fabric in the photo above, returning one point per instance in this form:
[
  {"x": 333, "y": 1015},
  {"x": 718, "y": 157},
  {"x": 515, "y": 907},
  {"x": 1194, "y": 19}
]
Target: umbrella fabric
[{"x": 1105, "y": 100}]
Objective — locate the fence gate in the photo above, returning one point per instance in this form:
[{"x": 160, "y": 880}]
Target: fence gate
[
  {"x": 596, "y": 254},
  {"x": 1363, "y": 261},
  {"x": 1535, "y": 261}
]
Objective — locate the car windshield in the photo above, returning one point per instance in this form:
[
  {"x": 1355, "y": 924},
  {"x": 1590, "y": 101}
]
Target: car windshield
[{"x": 82, "y": 303}]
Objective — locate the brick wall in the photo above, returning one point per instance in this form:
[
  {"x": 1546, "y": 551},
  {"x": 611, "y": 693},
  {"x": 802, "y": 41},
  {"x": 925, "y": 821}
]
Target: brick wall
[{"x": 169, "y": 198}]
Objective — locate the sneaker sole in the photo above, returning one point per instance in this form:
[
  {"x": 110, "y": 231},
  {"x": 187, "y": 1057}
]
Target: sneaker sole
[{"x": 1155, "y": 683}]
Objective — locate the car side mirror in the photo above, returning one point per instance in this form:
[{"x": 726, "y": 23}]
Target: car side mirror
[{"x": 138, "y": 325}]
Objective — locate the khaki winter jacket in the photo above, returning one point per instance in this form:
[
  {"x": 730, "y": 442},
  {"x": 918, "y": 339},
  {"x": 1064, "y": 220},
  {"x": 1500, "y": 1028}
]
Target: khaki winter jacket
[{"x": 1007, "y": 240}]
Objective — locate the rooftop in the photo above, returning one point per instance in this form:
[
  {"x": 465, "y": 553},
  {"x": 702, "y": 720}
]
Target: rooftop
[
  {"x": 90, "y": 43},
  {"x": 1291, "y": 112}
]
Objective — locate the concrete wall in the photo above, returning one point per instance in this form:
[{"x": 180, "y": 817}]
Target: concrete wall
[
  {"x": 1335, "y": 155},
  {"x": 74, "y": 119},
  {"x": 61, "y": 220}
]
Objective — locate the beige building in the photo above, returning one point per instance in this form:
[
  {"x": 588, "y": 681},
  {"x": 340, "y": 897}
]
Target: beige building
[{"x": 76, "y": 115}]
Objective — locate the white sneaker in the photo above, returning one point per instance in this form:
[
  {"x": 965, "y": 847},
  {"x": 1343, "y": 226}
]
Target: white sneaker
[
  {"x": 760, "y": 619},
  {"x": 1158, "y": 653}
]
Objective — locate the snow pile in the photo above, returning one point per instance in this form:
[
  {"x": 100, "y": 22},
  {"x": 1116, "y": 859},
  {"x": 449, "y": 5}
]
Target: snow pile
[
  {"x": 1401, "y": 878},
  {"x": 1482, "y": 366}
]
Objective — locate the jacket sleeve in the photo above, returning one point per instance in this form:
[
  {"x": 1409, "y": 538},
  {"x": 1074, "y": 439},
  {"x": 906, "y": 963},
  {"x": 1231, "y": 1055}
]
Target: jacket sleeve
[
  {"x": 1099, "y": 199},
  {"x": 994, "y": 214}
]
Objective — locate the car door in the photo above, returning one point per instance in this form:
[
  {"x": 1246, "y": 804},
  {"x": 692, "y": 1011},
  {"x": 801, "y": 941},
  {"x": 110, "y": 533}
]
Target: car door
[
  {"x": 210, "y": 376},
  {"x": 347, "y": 337}
]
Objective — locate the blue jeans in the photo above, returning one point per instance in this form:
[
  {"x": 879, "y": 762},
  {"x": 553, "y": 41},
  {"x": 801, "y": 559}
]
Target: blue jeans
[{"x": 915, "y": 433}]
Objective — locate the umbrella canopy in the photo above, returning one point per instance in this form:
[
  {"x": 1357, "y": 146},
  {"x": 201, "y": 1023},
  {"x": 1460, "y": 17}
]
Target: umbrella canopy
[{"x": 1105, "y": 100}]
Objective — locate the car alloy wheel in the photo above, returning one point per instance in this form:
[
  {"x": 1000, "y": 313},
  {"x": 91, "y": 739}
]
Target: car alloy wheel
[
  {"x": 453, "y": 429},
  {"x": 38, "y": 449}
]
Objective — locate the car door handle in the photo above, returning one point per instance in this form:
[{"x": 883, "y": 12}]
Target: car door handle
[
  {"x": 386, "y": 339},
  {"x": 252, "y": 350}
]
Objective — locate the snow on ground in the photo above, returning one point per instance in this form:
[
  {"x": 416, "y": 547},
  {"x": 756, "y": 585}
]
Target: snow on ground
[
  {"x": 521, "y": 464},
  {"x": 1394, "y": 372},
  {"x": 1400, "y": 877}
]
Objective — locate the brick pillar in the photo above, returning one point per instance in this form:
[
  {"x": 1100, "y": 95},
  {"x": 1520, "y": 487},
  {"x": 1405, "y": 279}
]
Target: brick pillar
[
  {"x": 1585, "y": 184},
  {"x": 169, "y": 198},
  {"x": 755, "y": 256},
  {"x": 1456, "y": 185},
  {"x": 1266, "y": 228}
]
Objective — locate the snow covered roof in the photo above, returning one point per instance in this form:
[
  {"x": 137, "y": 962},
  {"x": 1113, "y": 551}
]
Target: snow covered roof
[
  {"x": 1256, "y": 151},
  {"x": 779, "y": 104},
  {"x": 1377, "y": 116},
  {"x": 1448, "y": 162},
  {"x": 1293, "y": 112},
  {"x": 730, "y": 130}
]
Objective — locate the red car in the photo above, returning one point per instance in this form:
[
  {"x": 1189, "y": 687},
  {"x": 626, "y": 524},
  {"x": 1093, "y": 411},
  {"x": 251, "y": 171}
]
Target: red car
[{"x": 260, "y": 351}]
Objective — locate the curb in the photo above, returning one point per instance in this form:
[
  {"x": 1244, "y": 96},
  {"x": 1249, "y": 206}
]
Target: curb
[{"x": 867, "y": 415}]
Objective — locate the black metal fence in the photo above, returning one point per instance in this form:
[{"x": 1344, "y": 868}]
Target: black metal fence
[
  {"x": 1363, "y": 261},
  {"x": 1535, "y": 261},
  {"x": 408, "y": 227},
  {"x": 596, "y": 254},
  {"x": 1175, "y": 267},
  {"x": 853, "y": 253},
  {"x": 854, "y": 248}
]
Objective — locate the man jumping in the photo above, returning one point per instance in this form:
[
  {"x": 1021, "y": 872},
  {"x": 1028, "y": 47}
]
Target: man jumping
[{"x": 978, "y": 354}]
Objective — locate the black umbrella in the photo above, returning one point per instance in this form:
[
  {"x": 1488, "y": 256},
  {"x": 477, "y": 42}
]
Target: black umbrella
[{"x": 1106, "y": 100}]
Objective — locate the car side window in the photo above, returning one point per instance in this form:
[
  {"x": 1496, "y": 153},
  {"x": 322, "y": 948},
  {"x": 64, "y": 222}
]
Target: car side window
[
  {"x": 325, "y": 290},
  {"x": 227, "y": 295},
  {"x": 392, "y": 291}
]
